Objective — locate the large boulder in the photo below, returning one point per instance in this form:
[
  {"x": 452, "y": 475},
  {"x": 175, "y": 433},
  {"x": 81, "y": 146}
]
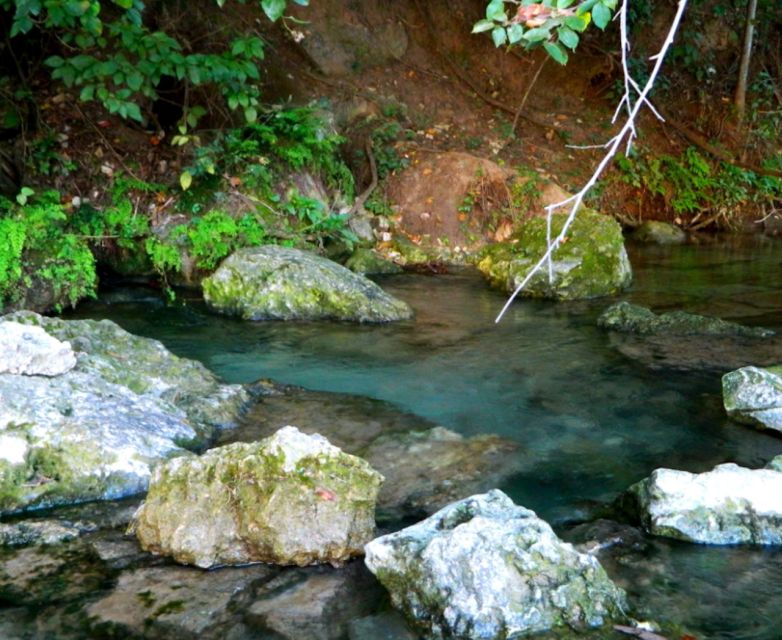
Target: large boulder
[
  {"x": 727, "y": 505},
  {"x": 484, "y": 568},
  {"x": 626, "y": 317},
  {"x": 278, "y": 283},
  {"x": 592, "y": 262},
  {"x": 754, "y": 396},
  {"x": 95, "y": 430},
  {"x": 290, "y": 499}
]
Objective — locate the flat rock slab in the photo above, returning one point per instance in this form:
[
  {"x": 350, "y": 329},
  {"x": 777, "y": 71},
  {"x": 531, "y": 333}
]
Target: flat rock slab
[
  {"x": 728, "y": 505},
  {"x": 277, "y": 283},
  {"x": 174, "y": 602}
]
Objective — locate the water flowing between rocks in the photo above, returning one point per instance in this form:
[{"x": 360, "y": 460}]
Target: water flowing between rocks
[{"x": 592, "y": 411}]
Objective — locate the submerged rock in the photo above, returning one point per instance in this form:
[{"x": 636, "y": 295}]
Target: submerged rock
[
  {"x": 30, "y": 351},
  {"x": 425, "y": 466},
  {"x": 289, "y": 499},
  {"x": 276, "y": 283},
  {"x": 626, "y": 317},
  {"x": 656, "y": 232},
  {"x": 95, "y": 431},
  {"x": 485, "y": 568},
  {"x": 728, "y": 505},
  {"x": 592, "y": 262},
  {"x": 314, "y": 603},
  {"x": 25, "y": 533},
  {"x": 754, "y": 396},
  {"x": 426, "y": 470}
]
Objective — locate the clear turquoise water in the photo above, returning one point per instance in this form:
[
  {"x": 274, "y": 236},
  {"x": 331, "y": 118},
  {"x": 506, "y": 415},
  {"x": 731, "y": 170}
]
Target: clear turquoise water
[{"x": 591, "y": 420}]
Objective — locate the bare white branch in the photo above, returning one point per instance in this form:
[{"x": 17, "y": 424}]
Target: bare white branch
[{"x": 627, "y": 132}]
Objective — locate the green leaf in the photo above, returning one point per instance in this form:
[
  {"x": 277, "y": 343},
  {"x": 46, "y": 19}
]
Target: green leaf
[
  {"x": 483, "y": 25},
  {"x": 601, "y": 15},
  {"x": 564, "y": 4},
  {"x": 495, "y": 11},
  {"x": 556, "y": 51},
  {"x": 125, "y": 4},
  {"x": 586, "y": 6},
  {"x": 515, "y": 33},
  {"x": 251, "y": 114},
  {"x": 568, "y": 37},
  {"x": 499, "y": 36},
  {"x": 185, "y": 180},
  {"x": 577, "y": 23},
  {"x": 537, "y": 35},
  {"x": 303, "y": 3},
  {"x": 274, "y": 9},
  {"x": 87, "y": 93},
  {"x": 54, "y": 62}
]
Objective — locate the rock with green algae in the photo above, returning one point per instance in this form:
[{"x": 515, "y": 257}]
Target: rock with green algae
[
  {"x": 95, "y": 431},
  {"x": 727, "y": 505},
  {"x": 626, "y": 317},
  {"x": 290, "y": 499},
  {"x": 753, "y": 395},
  {"x": 278, "y": 283},
  {"x": 484, "y": 568},
  {"x": 662, "y": 233},
  {"x": 370, "y": 262},
  {"x": 592, "y": 262}
]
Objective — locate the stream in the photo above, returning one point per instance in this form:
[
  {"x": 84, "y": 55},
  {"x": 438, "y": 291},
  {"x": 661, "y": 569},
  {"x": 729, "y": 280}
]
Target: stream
[{"x": 592, "y": 412}]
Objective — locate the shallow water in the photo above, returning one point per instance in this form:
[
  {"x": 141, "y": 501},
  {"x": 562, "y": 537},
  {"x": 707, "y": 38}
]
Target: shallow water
[{"x": 590, "y": 419}]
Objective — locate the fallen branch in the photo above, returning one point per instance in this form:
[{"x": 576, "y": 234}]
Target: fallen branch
[{"x": 626, "y": 134}]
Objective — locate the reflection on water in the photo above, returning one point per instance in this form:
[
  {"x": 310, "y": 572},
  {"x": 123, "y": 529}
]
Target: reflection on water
[{"x": 592, "y": 420}]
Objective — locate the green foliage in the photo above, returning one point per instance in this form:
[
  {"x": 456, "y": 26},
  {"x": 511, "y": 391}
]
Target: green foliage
[
  {"x": 689, "y": 185},
  {"x": 37, "y": 243},
  {"x": 115, "y": 58},
  {"x": 386, "y": 155},
  {"x": 214, "y": 236},
  {"x": 553, "y": 24}
]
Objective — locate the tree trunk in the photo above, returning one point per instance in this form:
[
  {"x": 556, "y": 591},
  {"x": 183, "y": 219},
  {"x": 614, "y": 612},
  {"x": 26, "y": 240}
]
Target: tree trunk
[{"x": 740, "y": 98}]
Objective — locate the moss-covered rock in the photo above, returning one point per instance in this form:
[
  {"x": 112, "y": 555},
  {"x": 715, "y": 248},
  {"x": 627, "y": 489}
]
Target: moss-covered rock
[
  {"x": 632, "y": 318},
  {"x": 370, "y": 262},
  {"x": 592, "y": 262},
  {"x": 277, "y": 283},
  {"x": 656, "y": 232},
  {"x": 753, "y": 395},
  {"x": 95, "y": 431},
  {"x": 289, "y": 499},
  {"x": 728, "y": 505},
  {"x": 484, "y": 568}
]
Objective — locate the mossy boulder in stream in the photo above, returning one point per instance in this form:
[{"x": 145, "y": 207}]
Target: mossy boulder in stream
[
  {"x": 484, "y": 568},
  {"x": 591, "y": 262},
  {"x": 290, "y": 499},
  {"x": 95, "y": 430},
  {"x": 727, "y": 505},
  {"x": 626, "y": 317},
  {"x": 753, "y": 395},
  {"x": 662, "y": 233},
  {"x": 277, "y": 283}
]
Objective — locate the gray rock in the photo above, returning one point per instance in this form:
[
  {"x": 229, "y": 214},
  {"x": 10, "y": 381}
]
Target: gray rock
[
  {"x": 662, "y": 233},
  {"x": 728, "y": 505},
  {"x": 388, "y": 625},
  {"x": 31, "y": 351},
  {"x": 314, "y": 603},
  {"x": 95, "y": 431},
  {"x": 370, "y": 262},
  {"x": 276, "y": 283},
  {"x": 592, "y": 263},
  {"x": 752, "y": 395},
  {"x": 31, "y": 532},
  {"x": 289, "y": 499},
  {"x": 631, "y": 318},
  {"x": 174, "y": 602},
  {"x": 484, "y": 568}
]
